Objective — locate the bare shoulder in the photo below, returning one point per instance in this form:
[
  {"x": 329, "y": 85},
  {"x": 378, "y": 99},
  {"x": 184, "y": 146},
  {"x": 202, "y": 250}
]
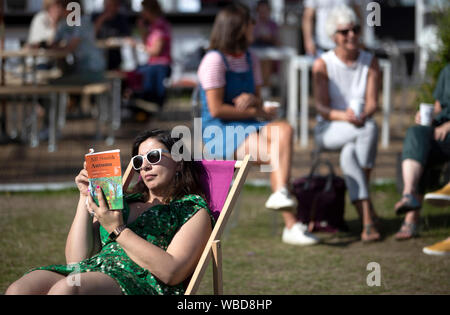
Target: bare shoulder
[{"x": 319, "y": 66}]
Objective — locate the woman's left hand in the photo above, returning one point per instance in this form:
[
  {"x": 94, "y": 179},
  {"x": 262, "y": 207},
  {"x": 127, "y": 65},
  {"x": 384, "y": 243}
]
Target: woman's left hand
[
  {"x": 441, "y": 132},
  {"x": 109, "y": 219},
  {"x": 244, "y": 101}
]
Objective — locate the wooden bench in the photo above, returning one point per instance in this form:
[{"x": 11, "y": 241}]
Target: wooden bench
[{"x": 58, "y": 103}]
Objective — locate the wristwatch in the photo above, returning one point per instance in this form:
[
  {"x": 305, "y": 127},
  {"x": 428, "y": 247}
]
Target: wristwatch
[{"x": 115, "y": 234}]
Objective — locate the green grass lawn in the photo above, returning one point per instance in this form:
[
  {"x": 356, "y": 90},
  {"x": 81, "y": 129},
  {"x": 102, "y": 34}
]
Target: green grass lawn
[{"x": 34, "y": 227}]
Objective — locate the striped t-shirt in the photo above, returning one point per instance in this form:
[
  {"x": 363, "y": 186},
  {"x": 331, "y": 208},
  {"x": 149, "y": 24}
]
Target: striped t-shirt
[{"x": 212, "y": 69}]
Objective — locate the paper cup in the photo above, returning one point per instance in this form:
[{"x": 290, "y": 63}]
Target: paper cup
[
  {"x": 275, "y": 105},
  {"x": 271, "y": 104},
  {"x": 357, "y": 106},
  {"x": 426, "y": 114}
]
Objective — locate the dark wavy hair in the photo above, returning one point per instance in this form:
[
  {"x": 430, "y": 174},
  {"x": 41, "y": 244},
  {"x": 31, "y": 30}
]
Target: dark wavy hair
[
  {"x": 152, "y": 6},
  {"x": 229, "y": 33},
  {"x": 187, "y": 182}
]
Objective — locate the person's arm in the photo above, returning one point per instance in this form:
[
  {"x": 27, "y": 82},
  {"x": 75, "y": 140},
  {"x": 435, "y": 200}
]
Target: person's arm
[
  {"x": 99, "y": 21},
  {"x": 156, "y": 47},
  {"x": 83, "y": 240},
  {"x": 440, "y": 132},
  {"x": 372, "y": 89},
  {"x": 308, "y": 31},
  {"x": 34, "y": 36},
  {"x": 321, "y": 95},
  {"x": 178, "y": 262},
  {"x": 218, "y": 109},
  {"x": 437, "y": 107},
  {"x": 65, "y": 42},
  {"x": 172, "y": 266}
]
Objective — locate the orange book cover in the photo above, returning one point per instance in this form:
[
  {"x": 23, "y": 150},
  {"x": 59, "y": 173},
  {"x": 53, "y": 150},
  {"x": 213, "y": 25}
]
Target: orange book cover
[{"x": 104, "y": 170}]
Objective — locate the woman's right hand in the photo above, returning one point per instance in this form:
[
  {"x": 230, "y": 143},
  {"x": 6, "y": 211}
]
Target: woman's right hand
[
  {"x": 82, "y": 181},
  {"x": 270, "y": 113},
  {"x": 351, "y": 117}
]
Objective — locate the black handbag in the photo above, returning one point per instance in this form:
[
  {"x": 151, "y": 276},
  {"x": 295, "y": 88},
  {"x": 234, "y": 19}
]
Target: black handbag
[{"x": 321, "y": 199}]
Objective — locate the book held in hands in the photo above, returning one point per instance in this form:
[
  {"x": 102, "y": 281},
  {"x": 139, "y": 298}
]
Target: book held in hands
[{"x": 104, "y": 170}]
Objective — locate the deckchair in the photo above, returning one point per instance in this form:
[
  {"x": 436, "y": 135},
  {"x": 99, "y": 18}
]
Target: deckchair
[{"x": 222, "y": 194}]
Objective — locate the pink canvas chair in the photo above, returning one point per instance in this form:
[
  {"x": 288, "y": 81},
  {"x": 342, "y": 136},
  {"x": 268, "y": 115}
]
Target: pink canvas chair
[{"x": 222, "y": 194}]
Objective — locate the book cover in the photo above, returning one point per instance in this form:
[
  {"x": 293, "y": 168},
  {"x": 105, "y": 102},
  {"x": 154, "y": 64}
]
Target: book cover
[{"x": 104, "y": 170}]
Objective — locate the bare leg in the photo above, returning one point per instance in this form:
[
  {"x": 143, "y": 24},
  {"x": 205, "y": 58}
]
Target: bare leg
[
  {"x": 411, "y": 171},
  {"x": 277, "y": 138},
  {"x": 91, "y": 283},
  {"x": 365, "y": 208},
  {"x": 373, "y": 214},
  {"x": 35, "y": 283}
]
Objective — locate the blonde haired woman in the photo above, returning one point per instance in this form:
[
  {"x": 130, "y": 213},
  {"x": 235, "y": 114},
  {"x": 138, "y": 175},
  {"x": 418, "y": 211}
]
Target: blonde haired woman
[{"x": 43, "y": 25}]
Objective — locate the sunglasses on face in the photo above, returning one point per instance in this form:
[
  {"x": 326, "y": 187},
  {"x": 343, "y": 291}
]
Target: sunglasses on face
[
  {"x": 356, "y": 29},
  {"x": 153, "y": 157}
]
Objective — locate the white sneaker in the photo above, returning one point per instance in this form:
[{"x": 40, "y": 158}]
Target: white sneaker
[
  {"x": 281, "y": 200},
  {"x": 298, "y": 235}
]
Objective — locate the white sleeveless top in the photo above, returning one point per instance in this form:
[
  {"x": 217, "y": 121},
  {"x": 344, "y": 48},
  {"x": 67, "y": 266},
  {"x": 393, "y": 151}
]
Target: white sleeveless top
[{"x": 347, "y": 83}]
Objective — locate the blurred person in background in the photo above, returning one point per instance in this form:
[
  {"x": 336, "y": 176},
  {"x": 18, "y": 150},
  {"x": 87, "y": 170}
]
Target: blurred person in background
[
  {"x": 265, "y": 35},
  {"x": 42, "y": 30},
  {"x": 79, "y": 41},
  {"x": 112, "y": 23},
  {"x": 315, "y": 15},
  {"x": 43, "y": 25},
  {"x": 423, "y": 148},
  {"x": 346, "y": 89},
  {"x": 156, "y": 35},
  {"x": 230, "y": 81}
]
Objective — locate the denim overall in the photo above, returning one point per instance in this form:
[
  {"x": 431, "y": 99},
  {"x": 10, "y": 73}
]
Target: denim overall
[{"x": 217, "y": 144}]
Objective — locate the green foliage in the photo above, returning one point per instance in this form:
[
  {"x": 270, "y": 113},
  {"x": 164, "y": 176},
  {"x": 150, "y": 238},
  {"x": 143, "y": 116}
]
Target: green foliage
[{"x": 441, "y": 59}]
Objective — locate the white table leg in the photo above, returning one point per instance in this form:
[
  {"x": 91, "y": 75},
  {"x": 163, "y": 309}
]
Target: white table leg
[
  {"x": 293, "y": 98},
  {"x": 387, "y": 80},
  {"x": 304, "y": 108},
  {"x": 52, "y": 122}
]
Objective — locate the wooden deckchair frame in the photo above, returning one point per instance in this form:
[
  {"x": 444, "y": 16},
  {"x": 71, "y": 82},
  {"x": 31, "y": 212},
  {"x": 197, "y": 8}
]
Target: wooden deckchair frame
[{"x": 213, "y": 249}]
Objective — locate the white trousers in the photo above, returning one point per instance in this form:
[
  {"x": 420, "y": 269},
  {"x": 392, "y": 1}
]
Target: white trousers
[{"x": 358, "y": 151}]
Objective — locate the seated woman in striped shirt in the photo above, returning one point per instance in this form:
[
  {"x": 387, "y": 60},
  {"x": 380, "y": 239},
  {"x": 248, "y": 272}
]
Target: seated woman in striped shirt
[{"x": 234, "y": 121}]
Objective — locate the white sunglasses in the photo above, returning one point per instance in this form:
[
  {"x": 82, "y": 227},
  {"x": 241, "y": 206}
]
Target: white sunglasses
[{"x": 153, "y": 157}]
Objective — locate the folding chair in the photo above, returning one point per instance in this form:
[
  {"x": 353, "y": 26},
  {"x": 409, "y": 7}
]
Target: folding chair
[{"x": 222, "y": 198}]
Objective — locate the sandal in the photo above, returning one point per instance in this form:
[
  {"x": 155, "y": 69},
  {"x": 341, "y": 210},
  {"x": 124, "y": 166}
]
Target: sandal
[
  {"x": 411, "y": 204},
  {"x": 407, "y": 231},
  {"x": 370, "y": 234}
]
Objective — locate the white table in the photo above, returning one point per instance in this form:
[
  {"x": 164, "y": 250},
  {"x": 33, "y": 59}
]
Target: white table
[{"x": 304, "y": 64}]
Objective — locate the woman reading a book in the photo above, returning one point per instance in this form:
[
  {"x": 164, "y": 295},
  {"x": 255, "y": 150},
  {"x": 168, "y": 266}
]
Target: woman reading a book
[{"x": 149, "y": 247}]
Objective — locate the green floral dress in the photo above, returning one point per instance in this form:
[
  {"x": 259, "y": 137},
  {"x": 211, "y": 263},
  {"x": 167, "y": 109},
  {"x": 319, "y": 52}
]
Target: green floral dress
[{"x": 158, "y": 225}]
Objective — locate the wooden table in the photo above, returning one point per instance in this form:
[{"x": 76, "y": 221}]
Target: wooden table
[
  {"x": 23, "y": 53},
  {"x": 34, "y": 53}
]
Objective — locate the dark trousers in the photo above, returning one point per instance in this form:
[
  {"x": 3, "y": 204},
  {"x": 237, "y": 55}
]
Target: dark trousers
[
  {"x": 153, "y": 88},
  {"x": 420, "y": 145}
]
